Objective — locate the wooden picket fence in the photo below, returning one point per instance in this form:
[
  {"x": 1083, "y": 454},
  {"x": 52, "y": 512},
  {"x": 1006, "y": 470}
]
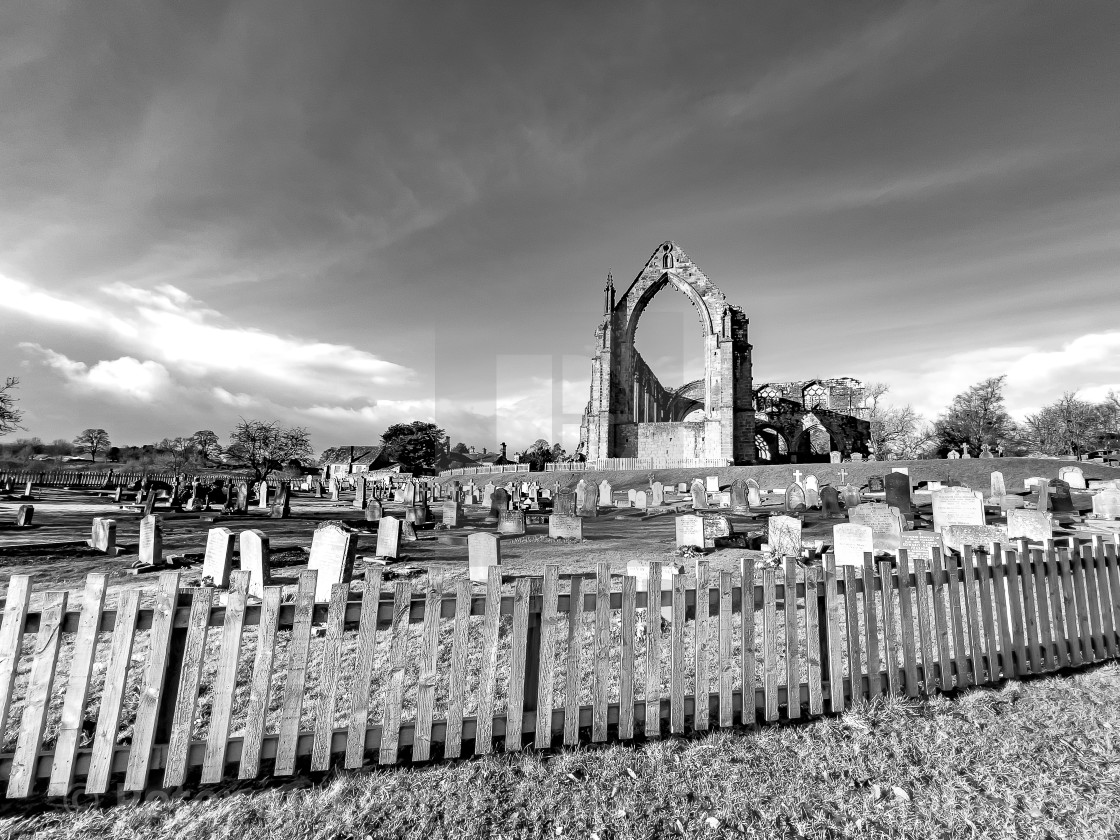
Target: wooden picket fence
[
  {"x": 494, "y": 665},
  {"x": 113, "y": 478},
  {"x": 486, "y": 469},
  {"x": 603, "y": 464}
]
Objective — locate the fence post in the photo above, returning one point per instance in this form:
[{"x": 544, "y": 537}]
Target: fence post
[
  {"x": 533, "y": 649},
  {"x": 171, "y": 673}
]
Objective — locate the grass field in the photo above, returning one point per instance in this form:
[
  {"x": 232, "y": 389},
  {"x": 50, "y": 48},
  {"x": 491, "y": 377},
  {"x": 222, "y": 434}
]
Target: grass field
[{"x": 1033, "y": 760}]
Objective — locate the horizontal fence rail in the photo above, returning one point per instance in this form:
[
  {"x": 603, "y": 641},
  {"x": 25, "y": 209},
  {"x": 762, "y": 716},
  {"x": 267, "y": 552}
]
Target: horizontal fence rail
[
  {"x": 602, "y": 464},
  {"x": 112, "y": 478},
  {"x": 181, "y": 683},
  {"x": 486, "y": 469}
]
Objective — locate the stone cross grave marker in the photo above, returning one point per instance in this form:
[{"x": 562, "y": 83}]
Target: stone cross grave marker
[
  {"x": 797, "y": 477},
  {"x": 886, "y": 525},
  {"x": 333, "y": 548},
  {"x": 483, "y": 551},
  {"x": 1034, "y": 525},
  {"x": 151, "y": 540},
  {"x": 255, "y": 559},
  {"x": 562, "y": 527},
  {"x": 104, "y": 535},
  {"x": 850, "y": 542},
  {"x": 1106, "y": 504},
  {"x": 919, "y": 545},
  {"x": 784, "y": 536},
  {"x": 898, "y": 492},
  {"x": 690, "y": 532},
  {"x": 957, "y": 506},
  {"x": 699, "y": 495},
  {"x": 511, "y": 522},
  {"x": 590, "y": 504},
  {"x": 389, "y": 537},
  {"x": 452, "y": 513},
  {"x": 795, "y": 498},
  {"x": 217, "y": 563}
]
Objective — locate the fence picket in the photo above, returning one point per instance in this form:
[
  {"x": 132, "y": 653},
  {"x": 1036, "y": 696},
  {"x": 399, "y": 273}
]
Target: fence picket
[
  {"x": 1069, "y": 609},
  {"x": 260, "y": 687},
  {"x": 677, "y": 658},
  {"x": 29, "y": 742},
  {"x": 571, "y": 673},
  {"x": 925, "y": 633},
  {"x": 1108, "y": 627},
  {"x": 749, "y": 715},
  {"x": 515, "y": 702},
  {"x": 225, "y": 681},
  {"x": 1030, "y": 609},
  {"x": 835, "y": 636},
  {"x": 116, "y": 675},
  {"x": 890, "y": 638},
  {"x": 1042, "y": 600},
  {"x": 813, "y": 636},
  {"x": 77, "y": 685},
  {"x": 550, "y": 620},
  {"x": 331, "y": 665},
  {"x": 602, "y": 666},
  {"x": 457, "y": 683},
  {"x": 701, "y": 717},
  {"x": 11, "y": 640},
  {"x": 906, "y": 618},
  {"x": 793, "y": 662},
  {"x": 726, "y": 664},
  {"x": 984, "y": 576},
  {"x": 298, "y": 653},
  {"x": 1096, "y": 639},
  {"x": 626, "y": 659},
  {"x": 1084, "y": 632},
  {"x": 1113, "y": 586},
  {"x": 1003, "y": 615},
  {"x": 151, "y": 688},
  {"x": 940, "y": 623},
  {"x": 653, "y": 653},
  {"x": 1015, "y": 607},
  {"x": 429, "y": 651},
  {"x": 953, "y": 591},
  {"x": 871, "y": 628},
  {"x": 398, "y": 663},
  {"x": 769, "y": 644},
  {"x": 971, "y": 608},
  {"x": 186, "y": 699}
]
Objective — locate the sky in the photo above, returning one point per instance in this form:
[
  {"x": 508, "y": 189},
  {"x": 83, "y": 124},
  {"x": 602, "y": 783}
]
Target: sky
[{"x": 346, "y": 215}]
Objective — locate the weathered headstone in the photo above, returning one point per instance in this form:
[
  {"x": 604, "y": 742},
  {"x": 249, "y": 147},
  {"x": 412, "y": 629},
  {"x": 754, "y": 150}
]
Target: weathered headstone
[
  {"x": 981, "y": 537},
  {"x": 682, "y": 487},
  {"x": 740, "y": 501},
  {"x": 699, "y": 495},
  {"x": 919, "y": 545},
  {"x": 857, "y": 456},
  {"x": 690, "y": 532},
  {"x": 417, "y": 514},
  {"x": 282, "y": 506},
  {"x": 656, "y": 494},
  {"x": 589, "y": 507},
  {"x": 408, "y": 531},
  {"x": 334, "y": 488},
  {"x": 606, "y": 493},
  {"x": 360, "y": 494},
  {"x": 217, "y": 563},
  {"x": 374, "y": 511},
  {"x": 241, "y": 501},
  {"x": 953, "y": 455},
  {"x": 333, "y": 548},
  {"x": 1106, "y": 504},
  {"x": 640, "y": 500},
  {"x": 834, "y": 457},
  {"x": 811, "y": 482},
  {"x": 452, "y": 513},
  {"x": 716, "y": 526},
  {"x": 754, "y": 495},
  {"x": 24, "y": 516},
  {"x": 812, "y": 498},
  {"x": 1060, "y": 499},
  {"x": 631, "y": 497},
  {"x": 875, "y": 484},
  {"x": 511, "y": 522},
  {"x": 151, "y": 541},
  {"x": 581, "y": 494},
  {"x": 999, "y": 487},
  {"x": 499, "y": 504},
  {"x": 262, "y": 495},
  {"x": 1034, "y": 525},
  {"x": 830, "y": 501},
  {"x": 957, "y": 506},
  {"x": 711, "y": 484},
  {"x": 565, "y": 527},
  {"x": 104, "y": 535},
  {"x": 850, "y": 494},
  {"x": 784, "y": 536},
  {"x": 898, "y": 492},
  {"x": 795, "y": 498},
  {"x": 1073, "y": 476},
  {"x": 389, "y": 537},
  {"x": 564, "y": 502},
  {"x": 886, "y": 525},
  {"x": 255, "y": 559},
  {"x": 850, "y": 542},
  {"x": 483, "y": 551}
]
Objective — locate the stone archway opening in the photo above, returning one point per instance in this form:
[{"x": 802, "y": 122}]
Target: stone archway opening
[{"x": 813, "y": 445}]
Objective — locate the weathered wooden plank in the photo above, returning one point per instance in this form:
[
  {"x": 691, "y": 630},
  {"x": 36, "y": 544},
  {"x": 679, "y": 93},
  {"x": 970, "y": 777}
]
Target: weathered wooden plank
[
  {"x": 225, "y": 680},
  {"x": 151, "y": 687},
  {"x": 726, "y": 663},
  {"x": 398, "y": 664},
  {"x": 1084, "y": 627},
  {"x": 793, "y": 661},
  {"x": 260, "y": 687},
  {"x": 600, "y": 683},
  {"x": 1015, "y": 609},
  {"x": 813, "y": 636},
  {"x": 299, "y": 648},
  {"x": 677, "y": 658},
  {"x": 890, "y": 635},
  {"x": 571, "y": 675},
  {"x": 835, "y": 636},
  {"x": 1112, "y": 562},
  {"x": 77, "y": 686},
  {"x": 116, "y": 676},
  {"x": 515, "y": 701},
  {"x": 906, "y": 619},
  {"x": 925, "y": 632},
  {"x": 626, "y": 659},
  {"x": 550, "y": 620},
  {"x": 1108, "y": 627},
  {"x": 1042, "y": 600},
  {"x": 29, "y": 742},
  {"x": 1003, "y": 614},
  {"x": 1096, "y": 638},
  {"x": 953, "y": 592},
  {"x": 1030, "y": 611},
  {"x": 186, "y": 699},
  {"x": 700, "y": 649},
  {"x": 747, "y": 652},
  {"x": 363, "y": 671},
  {"x": 1069, "y": 608},
  {"x": 972, "y": 615},
  {"x": 457, "y": 684},
  {"x": 984, "y": 576},
  {"x": 871, "y": 628},
  {"x": 940, "y": 623},
  {"x": 328, "y": 680},
  {"x": 770, "y": 643}
]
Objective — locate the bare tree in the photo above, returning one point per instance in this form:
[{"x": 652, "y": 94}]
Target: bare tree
[
  {"x": 181, "y": 449},
  {"x": 895, "y": 430},
  {"x": 206, "y": 445},
  {"x": 10, "y": 416},
  {"x": 94, "y": 440},
  {"x": 265, "y": 448}
]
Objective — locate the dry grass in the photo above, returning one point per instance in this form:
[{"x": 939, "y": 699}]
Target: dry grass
[{"x": 1039, "y": 759}]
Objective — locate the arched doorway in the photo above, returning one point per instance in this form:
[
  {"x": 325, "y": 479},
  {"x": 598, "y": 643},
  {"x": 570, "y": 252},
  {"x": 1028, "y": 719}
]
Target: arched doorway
[{"x": 771, "y": 445}]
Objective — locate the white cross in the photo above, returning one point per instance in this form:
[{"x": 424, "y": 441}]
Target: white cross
[
  {"x": 797, "y": 476},
  {"x": 843, "y": 475}
]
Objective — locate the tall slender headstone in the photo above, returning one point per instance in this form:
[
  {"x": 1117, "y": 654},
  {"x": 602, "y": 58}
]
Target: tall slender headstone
[
  {"x": 218, "y": 560},
  {"x": 360, "y": 493},
  {"x": 740, "y": 503},
  {"x": 699, "y": 495},
  {"x": 104, "y": 535},
  {"x": 151, "y": 540},
  {"x": 606, "y": 493},
  {"x": 281, "y": 507},
  {"x": 590, "y": 504},
  {"x": 483, "y": 551},
  {"x": 999, "y": 487},
  {"x": 262, "y": 495},
  {"x": 389, "y": 537},
  {"x": 255, "y": 559},
  {"x": 897, "y": 486},
  {"x": 656, "y": 494},
  {"x": 452, "y": 513},
  {"x": 499, "y": 504},
  {"x": 333, "y": 549}
]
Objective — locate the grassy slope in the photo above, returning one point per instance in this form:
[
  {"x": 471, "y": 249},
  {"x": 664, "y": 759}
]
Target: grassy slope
[{"x": 1040, "y": 759}]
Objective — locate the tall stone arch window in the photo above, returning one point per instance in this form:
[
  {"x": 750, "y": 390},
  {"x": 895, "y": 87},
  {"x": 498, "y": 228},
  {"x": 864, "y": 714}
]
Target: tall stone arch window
[
  {"x": 815, "y": 395},
  {"x": 767, "y": 396}
]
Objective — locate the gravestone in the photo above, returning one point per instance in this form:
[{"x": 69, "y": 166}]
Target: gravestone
[
  {"x": 282, "y": 506},
  {"x": 857, "y": 456},
  {"x": 834, "y": 457},
  {"x": 606, "y": 493},
  {"x": 953, "y": 455},
  {"x": 850, "y": 495},
  {"x": 24, "y": 516},
  {"x": 317, "y": 488},
  {"x": 255, "y": 559},
  {"x": 903, "y": 470},
  {"x": 640, "y": 500},
  {"x": 812, "y": 498},
  {"x": 850, "y": 542},
  {"x": 784, "y": 536},
  {"x": 980, "y": 537},
  {"x": 452, "y": 513},
  {"x": 657, "y": 494},
  {"x": 690, "y": 532},
  {"x": 488, "y": 492},
  {"x": 590, "y": 505},
  {"x": 241, "y": 505},
  {"x": 999, "y": 487},
  {"x": 1060, "y": 499},
  {"x": 875, "y": 484},
  {"x": 360, "y": 494},
  {"x": 754, "y": 495},
  {"x": 334, "y": 489},
  {"x": 711, "y": 484},
  {"x": 716, "y": 527},
  {"x": 116, "y": 493},
  {"x": 262, "y": 495},
  {"x": 581, "y": 494},
  {"x": 511, "y": 522},
  {"x": 795, "y": 498},
  {"x": 104, "y": 535},
  {"x": 886, "y": 525},
  {"x": 408, "y": 531},
  {"x": 631, "y": 497},
  {"x": 682, "y": 488},
  {"x": 408, "y": 494},
  {"x": 417, "y": 514},
  {"x": 740, "y": 503},
  {"x": 811, "y": 482},
  {"x": 1034, "y": 525},
  {"x": 388, "y": 537},
  {"x": 217, "y": 563},
  {"x": 149, "y": 503},
  {"x": 565, "y": 527},
  {"x": 564, "y": 502},
  {"x": 919, "y": 545},
  {"x": 1106, "y": 504},
  {"x": 898, "y": 492},
  {"x": 957, "y": 506},
  {"x": 374, "y": 511},
  {"x": 699, "y": 495},
  {"x": 151, "y": 541},
  {"x": 483, "y": 551},
  {"x": 499, "y": 504},
  {"x": 333, "y": 548},
  {"x": 1073, "y": 476},
  {"x": 830, "y": 501}
]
